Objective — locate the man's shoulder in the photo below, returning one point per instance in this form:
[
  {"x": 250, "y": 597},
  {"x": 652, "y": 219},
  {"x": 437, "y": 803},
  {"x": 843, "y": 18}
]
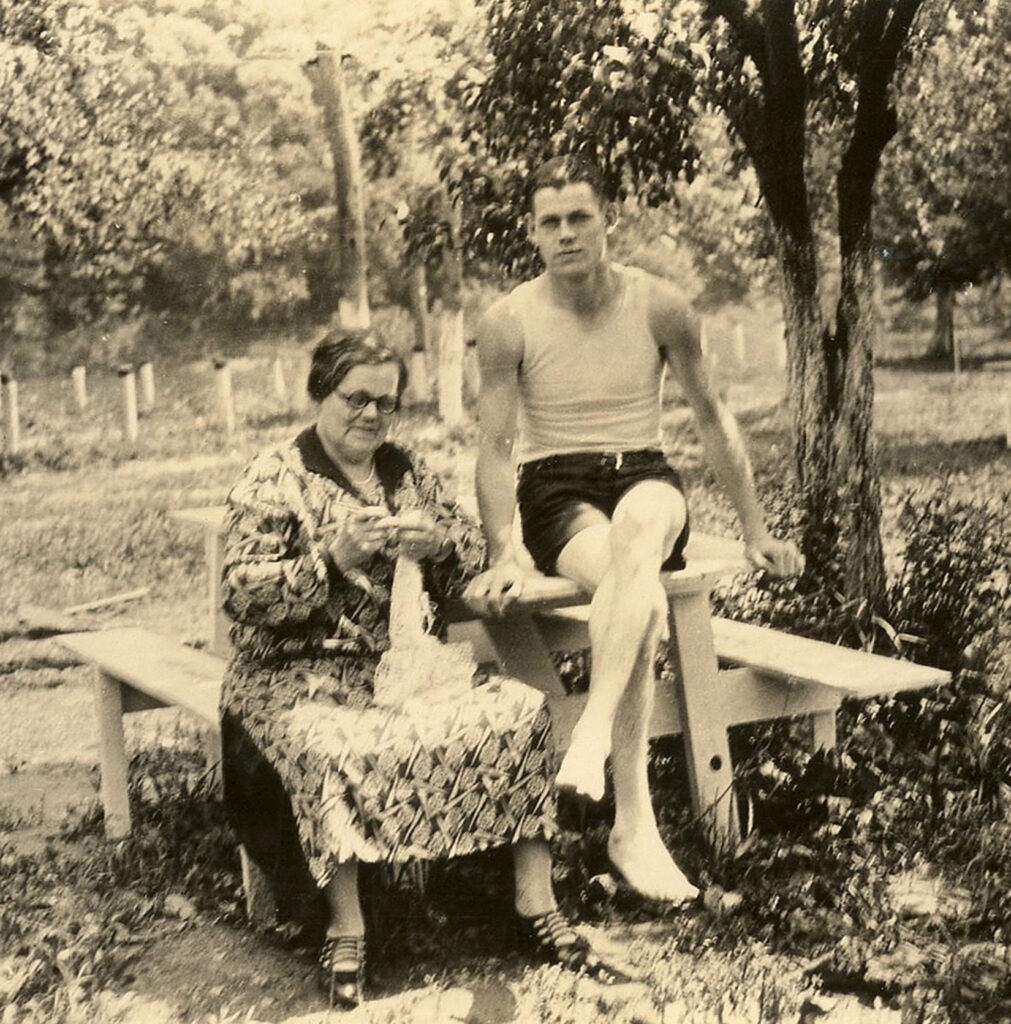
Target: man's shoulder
[
  {"x": 501, "y": 327},
  {"x": 659, "y": 292},
  {"x": 667, "y": 307},
  {"x": 513, "y": 301}
]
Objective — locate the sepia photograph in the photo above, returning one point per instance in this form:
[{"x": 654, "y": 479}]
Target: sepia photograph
[{"x": 505, "y": 512}]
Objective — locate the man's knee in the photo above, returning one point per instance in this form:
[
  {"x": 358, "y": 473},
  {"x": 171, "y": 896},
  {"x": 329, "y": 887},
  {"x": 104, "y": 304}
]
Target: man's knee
[{"x": 642, "y": 534}]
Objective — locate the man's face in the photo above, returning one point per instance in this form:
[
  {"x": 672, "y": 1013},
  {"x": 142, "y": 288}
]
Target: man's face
[{"x": 569, "y": 226}]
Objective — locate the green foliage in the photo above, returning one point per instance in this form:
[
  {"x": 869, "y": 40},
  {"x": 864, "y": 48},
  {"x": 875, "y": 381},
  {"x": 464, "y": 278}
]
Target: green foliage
[
  {"x": 921, "y": 775},
  {"x": 155, "y": 166},
  {"x": 76, "y": 917},
  {"x": 573, "y": 79},
  {"x": 951, "y": 594},
  {"x": 946, "y": 218}
]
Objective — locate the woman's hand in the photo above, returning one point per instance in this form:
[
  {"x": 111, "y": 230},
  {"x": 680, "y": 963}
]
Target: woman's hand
[
  {"x": 420, "y": 537},
  {"x": 359, "y": 535}
]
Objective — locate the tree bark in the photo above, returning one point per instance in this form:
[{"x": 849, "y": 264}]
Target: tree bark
[
  {"x": 327, "y": 80},
  {"x": 830, "y": 366},
  {"x": 942, "y": 342}
]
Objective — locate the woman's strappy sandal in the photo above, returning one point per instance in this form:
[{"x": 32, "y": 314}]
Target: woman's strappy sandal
[
  {"x": 342, "y": 970},
  {"x": 555, "y": 941}
]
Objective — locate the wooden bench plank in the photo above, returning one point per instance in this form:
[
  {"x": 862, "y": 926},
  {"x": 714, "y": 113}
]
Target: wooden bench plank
[
  {"x": 794, "y": 659},
  {"x": 156, "y": 665},
  {"x": 855, "y": 673}
]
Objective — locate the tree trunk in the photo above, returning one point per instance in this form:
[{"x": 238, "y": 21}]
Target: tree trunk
[
  {"x": 325, "y": 75},
  {"x": 856, "y": 454},
  {"x": 451, "y": 342},
  {"x": 831, "y": 393},
  {"x": 421, "y": 385},
  {"x": 942, "y": 342}
]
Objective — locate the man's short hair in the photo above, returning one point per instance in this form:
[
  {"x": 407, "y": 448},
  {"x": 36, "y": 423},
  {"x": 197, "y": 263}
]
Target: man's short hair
[{"x": 560, "y": 171}]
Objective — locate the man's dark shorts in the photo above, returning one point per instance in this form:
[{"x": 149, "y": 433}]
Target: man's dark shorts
[{"x": 553, "y": 494}]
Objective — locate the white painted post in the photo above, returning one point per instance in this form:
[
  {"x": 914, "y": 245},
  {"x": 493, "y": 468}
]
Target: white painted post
[
  {"x": 781, "y": 352},
  {"x": 451, "y": 367},
  {"x": 739, "y": 353},
  {"x": 418, "y": 375},
  {"x": 471, "y": 370},
  {"x": 147, "y": 386},
  {"x": 130, "y": 430},
  {"x": 226, "y": 407},
  {"x": 704, "y": 338},
  {"x": 280, "y": 384},
  {"x": 79, "y": 377},
  {"x": 12, "y": 413},
  {"x": 300, "y": 395},
  {"x": 1007, "y": 420}
]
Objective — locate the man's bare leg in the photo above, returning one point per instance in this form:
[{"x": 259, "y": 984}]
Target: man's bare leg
[
  {"x": 628, "y": 615},
  {"x": 586, "y": 559},
  {"x": 634, "y": 845},
  {"x": 623, "y": 613}
]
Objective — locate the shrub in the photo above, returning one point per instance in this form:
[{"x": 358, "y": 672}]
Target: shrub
[
  {"x": 952, "y": 589},
  {"x": 804, "y": 605},
  {"x": 910, "y": 772}
]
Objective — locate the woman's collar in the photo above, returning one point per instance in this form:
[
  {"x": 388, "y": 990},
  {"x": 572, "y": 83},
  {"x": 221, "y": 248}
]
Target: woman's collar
[{"x": 391, "y": 461}]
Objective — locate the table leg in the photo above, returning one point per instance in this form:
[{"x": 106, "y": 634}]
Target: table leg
[
  {"x": 703, "y": 716},
  {"x": 213, "y": 755},
  {"x": 823, "y": 724},
  {"x": 112, "y": 752},
  {"x": 219, "y": 624},
  {"x": 261, "y": 908},
  {"x": 521, "y": 652}
]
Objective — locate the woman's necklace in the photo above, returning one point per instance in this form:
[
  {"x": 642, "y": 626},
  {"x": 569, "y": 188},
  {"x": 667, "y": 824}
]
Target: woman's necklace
[
  {"x": 369, "y": 488},
  {"x": 365, "y": 481}
]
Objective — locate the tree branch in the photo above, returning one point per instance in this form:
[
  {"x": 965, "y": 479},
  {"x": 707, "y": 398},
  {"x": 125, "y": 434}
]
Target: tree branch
[
  {"x": 744, "y": 28},
  {"x": 899, "y": 27}
]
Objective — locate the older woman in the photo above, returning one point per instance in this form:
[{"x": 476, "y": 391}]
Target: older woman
[{"x": 313, "y": 531}]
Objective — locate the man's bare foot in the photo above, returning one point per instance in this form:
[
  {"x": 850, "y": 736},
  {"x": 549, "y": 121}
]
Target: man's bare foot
[
  {"x": 582, "y": 768},
  {"x": 644, "y": 863}
]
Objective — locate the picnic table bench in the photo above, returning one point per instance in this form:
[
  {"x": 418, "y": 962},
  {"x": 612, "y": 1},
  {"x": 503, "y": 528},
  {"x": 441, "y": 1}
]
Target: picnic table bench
[{"x": 724, "y": 673}]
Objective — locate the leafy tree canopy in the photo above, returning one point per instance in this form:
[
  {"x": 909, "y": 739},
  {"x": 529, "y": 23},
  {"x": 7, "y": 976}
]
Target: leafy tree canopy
[{"x": 945, "y": 219}]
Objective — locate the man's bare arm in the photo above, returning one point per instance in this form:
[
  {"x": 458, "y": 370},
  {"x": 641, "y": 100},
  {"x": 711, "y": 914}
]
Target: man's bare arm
[
  {"x": 676, "y": 332},
  {"x": 499, "y": 351}
]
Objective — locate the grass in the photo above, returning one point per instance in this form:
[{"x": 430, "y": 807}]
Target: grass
[{"x": 83, "y": 515}]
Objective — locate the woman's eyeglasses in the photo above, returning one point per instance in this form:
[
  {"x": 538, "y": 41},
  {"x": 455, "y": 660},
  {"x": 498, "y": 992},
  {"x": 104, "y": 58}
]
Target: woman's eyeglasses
[{"x": 359, "y": 400}]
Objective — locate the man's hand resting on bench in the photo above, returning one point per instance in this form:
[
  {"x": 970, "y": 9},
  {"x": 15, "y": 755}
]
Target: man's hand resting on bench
[
  {"x": 777, "y": 557},
  {"x": 494, "y": 590}
]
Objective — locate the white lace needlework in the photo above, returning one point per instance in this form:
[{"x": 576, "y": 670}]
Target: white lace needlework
[{"x": 417, "y": 663}]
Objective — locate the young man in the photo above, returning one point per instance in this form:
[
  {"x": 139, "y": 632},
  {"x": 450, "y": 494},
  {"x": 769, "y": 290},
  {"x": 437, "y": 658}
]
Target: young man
[{"x": 572, "y": 366}]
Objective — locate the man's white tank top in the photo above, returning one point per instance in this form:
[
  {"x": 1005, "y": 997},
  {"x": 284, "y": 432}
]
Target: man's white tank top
[{"x": 595, "y": 388}]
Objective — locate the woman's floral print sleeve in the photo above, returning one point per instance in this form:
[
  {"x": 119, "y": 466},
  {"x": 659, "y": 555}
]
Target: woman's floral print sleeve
[
  {"x": 272, "y": 574},
  {"x": 467, "y": 556}
]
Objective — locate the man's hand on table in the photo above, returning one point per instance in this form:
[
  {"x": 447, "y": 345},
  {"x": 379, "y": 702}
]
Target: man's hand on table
[
  {"x": 776, "y": 557},
  {"x": 494, "y": 590}
]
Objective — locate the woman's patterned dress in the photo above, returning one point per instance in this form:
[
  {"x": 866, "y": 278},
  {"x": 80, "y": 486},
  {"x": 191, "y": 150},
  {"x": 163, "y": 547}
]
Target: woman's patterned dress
[{"x": 310, "y": 761}]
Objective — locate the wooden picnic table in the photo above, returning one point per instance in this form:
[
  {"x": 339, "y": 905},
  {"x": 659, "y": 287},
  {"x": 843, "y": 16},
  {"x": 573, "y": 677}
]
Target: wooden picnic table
[
  {"x": 521, "y": 641},
  {"x": 725, "y": 673}
]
